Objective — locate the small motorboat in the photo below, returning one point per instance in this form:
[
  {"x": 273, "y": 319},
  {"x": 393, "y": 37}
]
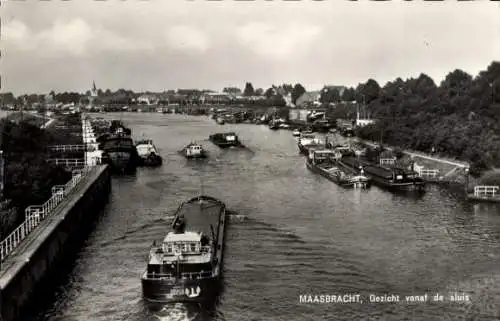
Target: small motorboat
[
  {"x": 194, "y": 150},
  {"x": 296, "y": 133},
  {"x": 148, "y": 153}
]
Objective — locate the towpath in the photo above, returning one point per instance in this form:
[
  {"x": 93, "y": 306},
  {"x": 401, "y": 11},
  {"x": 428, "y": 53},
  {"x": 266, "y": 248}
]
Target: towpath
[{"x": 448, "y": 161}]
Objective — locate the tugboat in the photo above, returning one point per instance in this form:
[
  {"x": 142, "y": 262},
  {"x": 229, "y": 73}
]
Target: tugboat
[
  {"x": 187, "y": 265},
  {"x": 307, "y": 141},
  {"x": 194, "y": 150},
  {"x": 323, "y": 162},
  {"x": 119, "y": 151},
  {"x": 225, "y": 140},
  {"x": 148, "y": 153}
]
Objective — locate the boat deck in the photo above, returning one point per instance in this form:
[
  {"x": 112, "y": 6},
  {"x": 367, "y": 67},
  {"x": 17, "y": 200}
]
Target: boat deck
[{"x": 200, "y": 213}]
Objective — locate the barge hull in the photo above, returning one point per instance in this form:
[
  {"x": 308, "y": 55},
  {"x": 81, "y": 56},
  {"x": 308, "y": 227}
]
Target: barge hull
[{"x": 314, "y": 169}]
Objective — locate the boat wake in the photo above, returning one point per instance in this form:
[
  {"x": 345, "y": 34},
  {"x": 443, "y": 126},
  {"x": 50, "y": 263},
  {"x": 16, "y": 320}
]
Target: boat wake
[
  {"x": 233, "y": 216},
  {"x": 177, "y": 312}
]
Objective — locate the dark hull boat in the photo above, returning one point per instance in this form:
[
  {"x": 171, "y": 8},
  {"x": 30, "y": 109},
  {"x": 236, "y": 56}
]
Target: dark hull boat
[
  {"x": 274, "y": 125},
  {"x": 225, "y": 140},
  {"x": 322, "y": 162},
  {"x": 187, "y": 265},
  {"x": 117, "y": 126},
  {"x": 390, "y": 178},
  {"x": 119, "y": 153}
]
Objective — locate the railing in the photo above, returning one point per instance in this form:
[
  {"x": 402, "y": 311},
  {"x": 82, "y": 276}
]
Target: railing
[
  {"x": 35, "y": 214},
  {"x": 201, "y": 250},
  {"x": 185, "y": 275},
  {"x": 387, "y": 161},
  {"x": 486, "y": 191},
  {"x": 428, "y": 173},
  {"x": 68, "y": 162},
  {"x": 67, "y": 148}
]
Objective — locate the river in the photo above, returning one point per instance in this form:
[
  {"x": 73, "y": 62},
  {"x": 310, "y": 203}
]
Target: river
[{"x": 294, "y": 233}]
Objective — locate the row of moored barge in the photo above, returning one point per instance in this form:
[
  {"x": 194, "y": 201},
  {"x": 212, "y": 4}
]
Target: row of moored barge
[{"x": 340, "y": 165}]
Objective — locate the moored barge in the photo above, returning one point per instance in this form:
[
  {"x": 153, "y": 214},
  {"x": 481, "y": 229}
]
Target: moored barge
[
  {"x": 394, "y": 178},
  {"x": 187, "y": 265},
  {"x": 308, "y": 141},
  {"x": 119, "y": 151},
  {"x": 323, "y": 162}
]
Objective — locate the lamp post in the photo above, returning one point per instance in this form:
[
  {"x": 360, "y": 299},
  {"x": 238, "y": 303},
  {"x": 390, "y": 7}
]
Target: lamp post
[{"x": 466, "y": 169}]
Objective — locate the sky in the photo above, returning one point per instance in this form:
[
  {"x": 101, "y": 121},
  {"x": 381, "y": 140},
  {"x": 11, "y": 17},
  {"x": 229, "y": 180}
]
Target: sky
[{"x": 158, "y": 45}]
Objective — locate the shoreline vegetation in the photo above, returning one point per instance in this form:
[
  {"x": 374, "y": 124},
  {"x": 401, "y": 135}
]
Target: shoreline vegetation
[{"x": 28, "y": 175}]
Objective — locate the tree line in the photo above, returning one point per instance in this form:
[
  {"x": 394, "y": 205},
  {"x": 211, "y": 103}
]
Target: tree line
[
  {"x": 272, "y": 96},
  {"x": 459, "y": 118}
]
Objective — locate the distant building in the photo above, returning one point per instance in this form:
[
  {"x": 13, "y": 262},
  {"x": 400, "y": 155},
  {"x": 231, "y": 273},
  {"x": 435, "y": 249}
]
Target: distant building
[
  {"x": 364, "y": 122},
  {"x": 308, "y": 99},
  {"x": 214, "y": 98},
  {"x": 147, "y": 99}
]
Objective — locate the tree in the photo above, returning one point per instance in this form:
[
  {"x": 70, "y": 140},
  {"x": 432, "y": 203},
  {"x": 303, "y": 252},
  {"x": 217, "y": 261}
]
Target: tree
[
  {"x": 329, "y": 95},
  {"x": 348, "y": 94},
  {"x": 288, "y": 88},
  {"x": 259, "y": 92},
  {"x": 232, "y": 90},
  {"x": 456, "y": 82},
  {"x": 298, "y": 90},
  {"x": 367, "y": 92},
  {"x": 249, "y": 91},
  {"x": 270, "y": 92}
]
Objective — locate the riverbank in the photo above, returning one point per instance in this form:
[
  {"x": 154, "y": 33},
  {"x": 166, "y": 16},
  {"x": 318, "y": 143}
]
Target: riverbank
[
  {"x": 36, "y": 257},
  {"x": 29, "y": 172}
]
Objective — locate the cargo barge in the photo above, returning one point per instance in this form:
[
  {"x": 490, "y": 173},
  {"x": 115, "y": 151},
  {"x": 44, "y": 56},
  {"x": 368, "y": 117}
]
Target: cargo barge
[
  {"x": 187, "y": 265},
  {"x": 395, "y": 178},
  {"x": 324, "y": 163}
]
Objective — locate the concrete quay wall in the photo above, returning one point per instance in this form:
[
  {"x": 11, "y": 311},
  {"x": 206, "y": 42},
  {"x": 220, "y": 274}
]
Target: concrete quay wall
[{"x": 40, "y": 253}]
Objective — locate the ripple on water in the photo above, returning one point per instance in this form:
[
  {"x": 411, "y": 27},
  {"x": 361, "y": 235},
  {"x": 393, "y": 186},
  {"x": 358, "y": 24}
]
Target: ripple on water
[{"x": 290, "y": 233}]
